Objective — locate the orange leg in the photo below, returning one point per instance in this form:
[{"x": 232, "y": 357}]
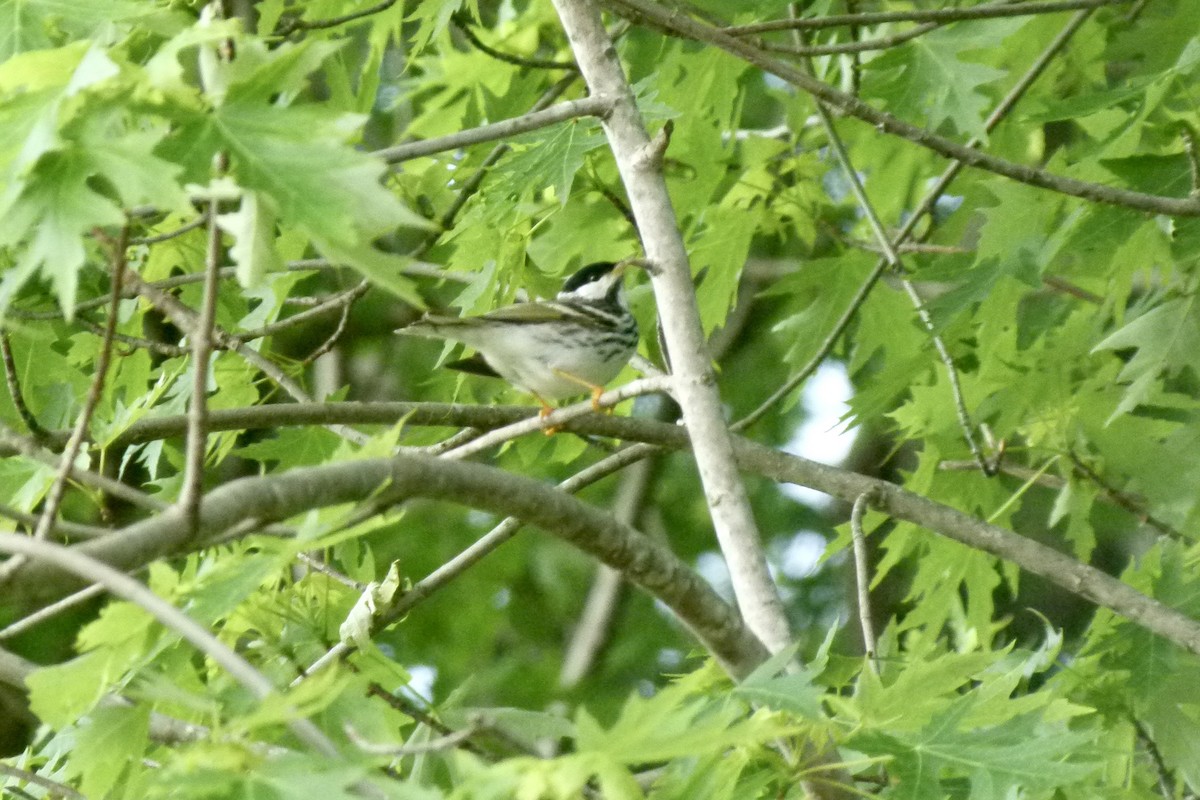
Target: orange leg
[
  {"x": 546, "y": 410},
  {"x": 593, "y": 388}
]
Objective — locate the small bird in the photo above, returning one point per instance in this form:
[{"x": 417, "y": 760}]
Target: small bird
[{"x": 552, "y": 349}]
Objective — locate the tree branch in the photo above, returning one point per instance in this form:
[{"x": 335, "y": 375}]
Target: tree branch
[
  {"x": 14, "y": 389},
  {"x": 940, "y": 15},
  {"x": 688, "y": 28},
  {"x": 53, "y": 788},
  {"x": 1032, "y": 557},
  {"x": 201, "y": 337},
  {"x": 639, "y": 164},
  {"x": 264, "y": 499},
  {"x": 185, "y": 318},
  {"x": 863, "y": 46},
  {"x": 271, "y": 498},
  {"x": 571, "y": 109},
  {"x": 862, "y": 579},
  {"x": 59, "y": 487},
  {"x": 521, "y": 61},
  {"x": 81, "y": 565}
]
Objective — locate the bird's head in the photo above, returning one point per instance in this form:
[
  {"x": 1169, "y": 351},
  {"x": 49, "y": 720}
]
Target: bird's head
[{"x": 595, "y": 283}]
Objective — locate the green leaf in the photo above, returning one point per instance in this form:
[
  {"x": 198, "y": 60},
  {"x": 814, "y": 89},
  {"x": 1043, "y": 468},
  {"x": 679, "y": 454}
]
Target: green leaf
[
  {"x": 30, "y": 24},
  {"x": 931, "y": 73},
  {"x": 1166, "y": 339},
  {"x": 1021, "y": 754},
  {"x": 547, "y": 158},
  {"x": 110, "y": 742},
  {"x": 293, "y": 447},
  {"x": 777, "y": 687},
  {"x": 670, "y": 725}
]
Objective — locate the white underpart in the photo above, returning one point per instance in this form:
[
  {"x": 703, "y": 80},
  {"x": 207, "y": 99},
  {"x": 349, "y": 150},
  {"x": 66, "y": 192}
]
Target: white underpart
[{"x": 510, "y": 354}]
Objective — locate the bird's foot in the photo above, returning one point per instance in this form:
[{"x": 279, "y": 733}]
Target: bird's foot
[
  {"x": 545, "y": 411},
  {"x": 597, "y": 391}
]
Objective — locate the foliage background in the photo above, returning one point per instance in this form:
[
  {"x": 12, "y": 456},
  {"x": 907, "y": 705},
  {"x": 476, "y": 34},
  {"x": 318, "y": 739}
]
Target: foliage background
[{"x": 1071, "y": 322}]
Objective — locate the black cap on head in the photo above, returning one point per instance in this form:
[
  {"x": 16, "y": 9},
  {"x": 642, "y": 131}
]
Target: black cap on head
[{"x": 588, "y": 274}]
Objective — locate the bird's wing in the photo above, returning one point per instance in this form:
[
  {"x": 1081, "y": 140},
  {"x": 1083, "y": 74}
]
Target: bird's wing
[
  {"x": 527, "y": 312},
  {"x": 550, "y": 311}
]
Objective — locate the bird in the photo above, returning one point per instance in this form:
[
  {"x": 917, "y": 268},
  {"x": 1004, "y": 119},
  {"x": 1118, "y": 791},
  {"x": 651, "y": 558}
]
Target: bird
[{"x": 551, "y": 349}]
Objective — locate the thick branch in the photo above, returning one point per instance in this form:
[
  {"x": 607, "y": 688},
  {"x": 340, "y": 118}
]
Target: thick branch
[
  {"x": 1077, "y": 578},
  {"x": 639, "y": 162},
  {"x": 646, "y": 563}
]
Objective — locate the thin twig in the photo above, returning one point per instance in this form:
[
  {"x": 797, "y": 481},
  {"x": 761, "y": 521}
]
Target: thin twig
[
  {"x": 509, "y": 58},
  {"x": 472, "y": 184},
  {"x": 909, "y": 247},
  {"x": 595, "y": 621},
  {"x": 410, "y": 709},
  {"x": 855, "y": 32},
  {"x": 172, "y": 234},
  {"x": 53, "y": 610},
  {"x": 845, "y": 48},
  {"x": 452, "y": 442},
  {"x": 1166, "y": 783},
  {"x": 162, "y": 348},
  {"x": 556, "y": 418},
  {"x": 533, "y": 120},
  {"x": 956, "y": 392},
  {"x": 61, "y": 528},
  {"x": 14, "y": 390},
  {"x": 59, "y": 487},
  {"x": 1039, "y": 477},
  {"x": 332, "y": 339},
  {"x": 26, "y": 446},
  {"x": 317, "y": 565},
  {"x": 340, "y": 301},
  {"x": 1124, "y": 500},
  {"x": 438, "y": 744},
  {"x": 201, "y": 336},
  {"x": 1189, "y": 148},
  {"x": 862, "y": 579},
  {"x": 921, "y": 15},
  {"x": 185, "y": 318},
  {"x": 53, "y": 788},
  {"x": 290, "y": 26}
]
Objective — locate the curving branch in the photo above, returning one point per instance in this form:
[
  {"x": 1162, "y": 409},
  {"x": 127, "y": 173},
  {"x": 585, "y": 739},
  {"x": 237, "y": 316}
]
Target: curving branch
[
  {"x": 646, "y": 563},
  {"x": 229, "y": 505},
  {"x": 862, "y": 46},
  {"x": 464, "y": 27},
  {"x": 276, "y": 498}
]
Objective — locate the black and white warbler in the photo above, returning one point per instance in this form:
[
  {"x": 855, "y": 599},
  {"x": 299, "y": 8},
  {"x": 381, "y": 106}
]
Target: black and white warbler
[{"x": 552, "y": 349}]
